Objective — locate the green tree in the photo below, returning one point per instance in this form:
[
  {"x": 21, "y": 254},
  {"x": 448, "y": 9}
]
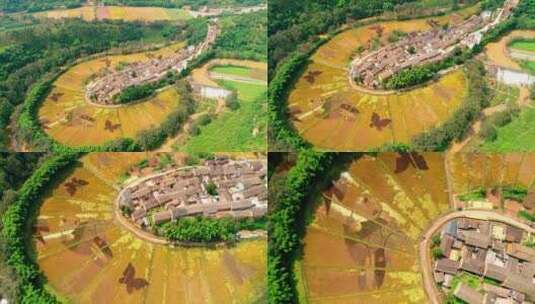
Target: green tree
[{"x": 211, "y": 188}]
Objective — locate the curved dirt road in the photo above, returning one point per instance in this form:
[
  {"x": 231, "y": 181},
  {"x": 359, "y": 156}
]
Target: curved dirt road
[{"x": 433, "y": 294}]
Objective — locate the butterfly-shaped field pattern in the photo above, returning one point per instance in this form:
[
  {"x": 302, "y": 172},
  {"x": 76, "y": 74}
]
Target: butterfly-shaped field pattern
[
  {"x": 378, "y": 122},
  {"x": 130, "y": 280}
]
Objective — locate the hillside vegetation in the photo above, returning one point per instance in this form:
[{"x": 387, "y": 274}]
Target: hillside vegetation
[
  {"x": 39, "y": 51},
  {"x": 10, "y": 6}
]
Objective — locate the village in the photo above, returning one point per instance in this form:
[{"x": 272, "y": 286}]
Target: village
[
  {"x": 484, "y": 261},
  {"x": 373, "y": 67},
  {"x": 104, "y": 88},
  {"x": 220, "y": 188}
]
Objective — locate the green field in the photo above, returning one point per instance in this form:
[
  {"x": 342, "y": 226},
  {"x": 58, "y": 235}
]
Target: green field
[
  {"x": 524, "y": 45},
  {"x": 504, "y": 94},
  {"x": 519, "y": 135},
  {"x": 232, "y": 70},
  {"x": 528, "y": 66},
  {"x": 232, "y": 130},
  {"x": 178, "y": 14}
]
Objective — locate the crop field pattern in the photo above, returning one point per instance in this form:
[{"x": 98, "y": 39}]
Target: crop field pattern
[
  {"x": 323, "y": 102},
  {"x": 497, "y": 53},
  {"x": 68, "y": 118},
  {"x": 87, "y": 257},
  {"x": 90, "y": 13},
  {"x": 243, "y": 129},
  {"x": 371, "y": 220}
]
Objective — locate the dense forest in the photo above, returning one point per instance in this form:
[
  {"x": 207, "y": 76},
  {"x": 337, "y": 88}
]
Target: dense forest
[
  {"x": 10, "y": 6},
  {"x": 244, "y": 36},
  {"x": 15, "y": 168}
]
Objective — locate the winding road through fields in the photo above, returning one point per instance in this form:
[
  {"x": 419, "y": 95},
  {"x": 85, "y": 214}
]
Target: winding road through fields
[{"x": 433, "y": 294}]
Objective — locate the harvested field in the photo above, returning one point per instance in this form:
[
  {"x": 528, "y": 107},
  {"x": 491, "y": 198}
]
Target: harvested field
[
  {"x": 323, "y": 102},
  {"x": 101, "y": 262},
  {"x": 372, "y": 218},
  {"x": 67, "y": 117},
  {"x": 497, "y": 53},
  {"x": 90, "y": 13}
]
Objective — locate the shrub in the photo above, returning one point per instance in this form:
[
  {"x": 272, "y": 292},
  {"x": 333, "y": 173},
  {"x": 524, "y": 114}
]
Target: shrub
[
  {"x": 526, "y": 215},
  {"x": 488, "y": 132},
  {"x": 232, "y": 101},
  {"x": 201, "y": 229},
  {"x": 437, "y": 253},
  {"x": 211, "y": 188},
  {"x": 517, "y": 193},
  {"x": 134, "y": 92},
  {"x": 473, "y": 195},
  {"x": 409, "y": 77}
]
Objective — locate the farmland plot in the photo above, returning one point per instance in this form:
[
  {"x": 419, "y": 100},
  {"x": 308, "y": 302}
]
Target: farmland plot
[
  {"x": 90, "y": 13},
  {"x": 323, "y": 102},
  {"x": 373, "y": 216},
  {"x": 241, "y": 129},
  {"x": 68, "y": 118},
  {"x": 103, "y": 263}
]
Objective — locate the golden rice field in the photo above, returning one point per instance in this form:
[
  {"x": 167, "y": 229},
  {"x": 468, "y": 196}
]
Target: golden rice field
[
  {"x": 68, "y": 118},
  {"x": 371, "y": 220},
  {"x": 323, "y": 103},
  {"x": 87, "y": 257},
  {"x": 90, "y": 13}
]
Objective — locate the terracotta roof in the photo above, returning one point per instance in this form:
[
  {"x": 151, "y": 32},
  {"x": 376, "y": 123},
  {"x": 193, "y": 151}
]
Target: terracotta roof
[
  {"x": 473, "y": 265},
  {"x": 447, "y": 266},
  {"x": 240, "y": 205},
  {"x": 163, "y": 216},
  {"x": 495, "y": 272},
  {"x": 520, "y": 283},
  {"x": 468, "y": 294},
  {"x": 446, "y": 243},
  {"x": 521, "y": 252},
  {"x": 476, "y": 239},
  {"x": 138, "y": 213},
  {"x": 513, "y": 234}
]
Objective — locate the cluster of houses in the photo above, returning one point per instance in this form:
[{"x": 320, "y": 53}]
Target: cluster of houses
[
  {"x": 206, "y": 11},
  {"x": 371, "y": 69},
  {"x": 239, "y": 191},
  {"x": 103, "y": 89},
  {"x": 492, "y": 251}
]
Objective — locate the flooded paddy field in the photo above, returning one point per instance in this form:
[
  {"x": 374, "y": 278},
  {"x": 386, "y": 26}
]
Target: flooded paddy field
[
  {"x": 324, "y": 101},
  {"x": 373, "y": 216},
  {"x": 101, "y": 262}
]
